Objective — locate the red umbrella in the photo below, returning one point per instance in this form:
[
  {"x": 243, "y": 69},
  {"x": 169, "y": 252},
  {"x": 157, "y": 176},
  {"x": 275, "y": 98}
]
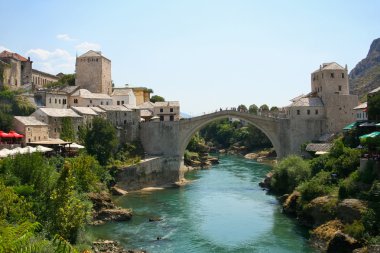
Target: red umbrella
[
  {"x": 16, "y": 135},
  {"x": 4, "y": 135}
]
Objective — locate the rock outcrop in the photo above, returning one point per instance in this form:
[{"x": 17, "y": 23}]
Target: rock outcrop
[
  {"x": 351, "y": 209},
  {"x": 290, "y": 205},
  {"x": 321, "y": 210},
  {"x": 105, "y": 209},
  {"x": 108, "y": 246},
  {"x": 366, "y": 74}
]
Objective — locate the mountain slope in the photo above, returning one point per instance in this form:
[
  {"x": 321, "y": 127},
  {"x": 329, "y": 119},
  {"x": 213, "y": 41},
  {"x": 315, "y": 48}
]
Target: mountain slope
[{"x": 366, "y": 74}]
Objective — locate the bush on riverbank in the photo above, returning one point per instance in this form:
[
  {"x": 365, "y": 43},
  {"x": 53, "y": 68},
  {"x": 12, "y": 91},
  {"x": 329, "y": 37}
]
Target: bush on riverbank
[{"x": 332, "y": 187}]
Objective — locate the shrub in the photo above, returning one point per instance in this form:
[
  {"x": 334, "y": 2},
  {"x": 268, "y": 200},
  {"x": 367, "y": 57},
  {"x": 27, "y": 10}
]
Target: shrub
[
  {"x": 349, "y": 186},
  {"x": 289, "y": 173},
  {"x": 319, "y": 185},
  {"x": 356, "y": 229}
]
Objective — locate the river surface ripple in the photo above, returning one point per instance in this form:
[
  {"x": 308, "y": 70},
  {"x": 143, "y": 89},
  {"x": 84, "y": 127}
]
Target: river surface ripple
[{"x": 223, "y": 210}]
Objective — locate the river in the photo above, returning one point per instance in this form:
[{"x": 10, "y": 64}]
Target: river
[{"x": 222, "y": 210}]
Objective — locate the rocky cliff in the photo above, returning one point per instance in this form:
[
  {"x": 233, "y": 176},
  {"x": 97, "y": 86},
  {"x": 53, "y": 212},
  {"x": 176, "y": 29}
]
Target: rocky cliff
[{"x": 366, "y": 74}]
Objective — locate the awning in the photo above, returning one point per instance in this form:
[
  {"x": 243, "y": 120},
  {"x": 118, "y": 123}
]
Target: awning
[
  {"x": 367, "y": 124},
  {"x": 371, "y": 135},
  {"x": 351, "y": 126},
  {"x": 16, "y": 135},
  {"x": 378, "y": 124},
  {"x": 321, "y": 152}
]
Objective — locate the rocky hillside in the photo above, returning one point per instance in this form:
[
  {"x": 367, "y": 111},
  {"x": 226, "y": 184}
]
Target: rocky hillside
[{"x": 366, "y": 74}]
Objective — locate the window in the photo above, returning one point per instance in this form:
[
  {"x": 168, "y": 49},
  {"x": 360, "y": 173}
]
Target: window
[
  {"x": 316, "y": 112},
  {"x": 298, "y": 112},
  {"x": 59, "y": 101},
  {"x": 342, "y": 75},
  {"x": 49, "y": 100},
  {"x": 55, "y": 100},
  {"x": 340, "y": 87},
  {"x": 332, "y": 75},
  {"x": 161, "y": 110},
  {"x": 28, "y": 139},
  {"x": 308, "y": 112},
  {"x": 122, "y": 102},
  {"x": 171, "y": 117},
  {"x": 171, "y": 109},
  {"x": 101, "y": 102},
  {"x": 118, "y": 102},
  {"x": 64, "y": 101},
  {"x": 125, "y": 122},
  {"x": 161, "y": 118},
  {"x": 90, "y": 101},
  {"x": 107, "y": 103},
  {"x": 75, "y": 101}
]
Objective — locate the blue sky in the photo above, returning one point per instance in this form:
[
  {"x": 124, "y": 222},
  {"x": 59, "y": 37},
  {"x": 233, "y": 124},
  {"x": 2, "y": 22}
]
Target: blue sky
[{"x": 205, "y": 54}]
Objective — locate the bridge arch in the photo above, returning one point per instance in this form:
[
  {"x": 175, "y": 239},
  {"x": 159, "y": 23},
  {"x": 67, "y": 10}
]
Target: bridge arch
[{"x": 268, "y": 125}]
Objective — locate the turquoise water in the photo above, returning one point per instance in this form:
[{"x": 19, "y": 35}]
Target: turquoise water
[{"x": 222, "y": 210}]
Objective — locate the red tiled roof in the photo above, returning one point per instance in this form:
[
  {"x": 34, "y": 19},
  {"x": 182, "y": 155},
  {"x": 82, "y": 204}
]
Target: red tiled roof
[{"x": 7, "y": 54}]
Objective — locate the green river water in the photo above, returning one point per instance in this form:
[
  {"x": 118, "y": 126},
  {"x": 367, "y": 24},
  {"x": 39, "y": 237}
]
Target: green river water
[{"x": 222, "y": 210}]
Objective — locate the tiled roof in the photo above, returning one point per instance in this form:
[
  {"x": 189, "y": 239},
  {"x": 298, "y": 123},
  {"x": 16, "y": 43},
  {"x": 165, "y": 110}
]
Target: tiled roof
[
  {"x": 146, "y": 105},
  {"x": 35, "y": 71},
  {"x": 29, "y": 121},
  {"x": 122, "y": 91},
  {"x": 146, "y": 113},
  {"x": 84, "y": 110},
  {"x": 96, "y": 109},
  {"x": 92, "y": 53},
  {"x": 361, "y": 106},
  {"x": 329, "y": 66},
  {"x": 60, "y": 113},
  {"x": 7, "y": 54},
  {"x": 166, "y": 104},
  {"x": 375, "y": 90},
  {"x": 115, "y": 108},
  {"x": 314, "y": 147},
  {"x": 83, "y": 93},
  {"x": 307, "y": 101}
]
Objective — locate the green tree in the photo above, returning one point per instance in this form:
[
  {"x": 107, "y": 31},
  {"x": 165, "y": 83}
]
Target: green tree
[
  {"x": 68, "y": 132},
  {"x": 101, "y": 140},
  {"x": 374, "y": 107},
  {"x": 253, "y": 109},
  {"x": 242, "y": 108},
  {"x": 274, "y": 109},
  {"x": 264, "y": 108},
  {"x": 68, "y": 211},
  {"x": 157, "y": 98}
]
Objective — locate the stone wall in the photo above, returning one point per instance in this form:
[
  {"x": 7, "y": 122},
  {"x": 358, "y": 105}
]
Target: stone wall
[{"x": 152, "y": 172}]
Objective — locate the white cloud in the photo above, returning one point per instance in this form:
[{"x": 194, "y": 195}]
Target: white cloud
[
  {"x": 2, "y": 48},
  {"x": 64, "y": 37},
  {"x": 53, "y": 62},
  {"x": 86, "y": 46}
]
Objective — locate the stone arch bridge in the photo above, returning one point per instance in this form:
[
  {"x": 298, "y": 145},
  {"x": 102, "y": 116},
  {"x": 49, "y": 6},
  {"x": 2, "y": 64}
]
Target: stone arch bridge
[{"x": 168, "y": 139}]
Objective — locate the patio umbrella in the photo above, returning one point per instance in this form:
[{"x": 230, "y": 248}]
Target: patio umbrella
[
  {"x": 16, "y": 135},
  {"x": 15, "y": 151},
  {"x": 43, "y": 149},
  {"x": 4, "y": 152},
  {"x": 371, "y": 135},
  {"x": 75, "y": 145}
]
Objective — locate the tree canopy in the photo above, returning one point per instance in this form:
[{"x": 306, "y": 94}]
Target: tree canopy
[
  {"x": 157, "y": 98},
  {"x": 101, "y": 140}
]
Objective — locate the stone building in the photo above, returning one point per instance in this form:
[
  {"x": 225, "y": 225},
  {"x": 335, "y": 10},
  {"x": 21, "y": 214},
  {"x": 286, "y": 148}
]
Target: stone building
[
  {"x": 83, "y": 97},
  {"x": 330, "y": 83},
  {"x": 93, "y": 72},
  {"x": 32, "y": 129},
  {"x": 329, "y": 101},
  {"x": 87, "y": 113},
  {"x": 54, "y": 118},
  {"x": 123, "y": 96},
  {"x": 142, "y": 94},
  {"x": 41, "y": 79},
  {"x": 59, "y": 98},
  {"x": 361, "y": 112},
  {"x": 167, "y": 111},
  {"x": 125, "y": 120},
  {"x": 17, "y": 71}
]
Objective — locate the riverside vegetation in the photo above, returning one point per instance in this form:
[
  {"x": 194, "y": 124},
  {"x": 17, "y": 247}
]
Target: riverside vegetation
[
  {"x": 46, "y": 202},
  {"x": 332, "y": 196}
]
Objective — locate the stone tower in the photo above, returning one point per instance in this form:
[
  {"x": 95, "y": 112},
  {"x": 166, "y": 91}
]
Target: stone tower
[
  {"x": 330, "y": 83},
  {"x": 93, "y": 72}
]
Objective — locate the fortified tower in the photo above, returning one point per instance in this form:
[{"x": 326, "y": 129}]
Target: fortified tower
[
  {"x": 330, "y": 83},
  {"x": 93, "y": 72}
]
